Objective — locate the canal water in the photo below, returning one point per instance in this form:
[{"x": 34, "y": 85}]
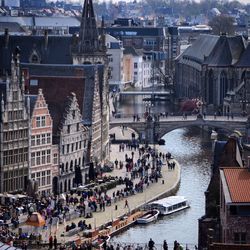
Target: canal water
[{"x": 192, "y": 149}]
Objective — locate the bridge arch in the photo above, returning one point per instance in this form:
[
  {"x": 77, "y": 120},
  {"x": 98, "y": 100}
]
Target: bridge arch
[
  {"x": 163, "y": 131},
  {"x": 126, "y": 128}
]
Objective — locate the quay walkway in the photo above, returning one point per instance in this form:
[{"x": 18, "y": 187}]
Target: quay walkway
[{"x": 155, "y": 190}]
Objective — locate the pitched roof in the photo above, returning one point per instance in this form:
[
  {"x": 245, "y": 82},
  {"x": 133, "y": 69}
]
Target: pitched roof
[
  {"x": 238, "y": 182},
  {"x": 57, "y": 50},
  {"x": 245, "y": 58},
  {"x": 226, "y": 52},
  {"x": 201, "y": 48},
  {"x": 69, "y": 78}
]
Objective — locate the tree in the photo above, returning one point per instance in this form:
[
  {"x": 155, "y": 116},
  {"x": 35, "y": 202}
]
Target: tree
[{"x": 222, "y": 24}]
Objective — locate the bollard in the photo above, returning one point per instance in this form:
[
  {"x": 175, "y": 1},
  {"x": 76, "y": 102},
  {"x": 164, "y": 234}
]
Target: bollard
[
  {"x": 162, "y": 182},
  {"x": 116, "y": 207}
]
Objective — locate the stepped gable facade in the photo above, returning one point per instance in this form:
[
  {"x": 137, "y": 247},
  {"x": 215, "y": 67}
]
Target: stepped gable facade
[
  {"x": 73, "y": 142},
  {"x": 211, "y": 68},
  {"x": 41, "y": 153},
  {"x": 64, "y": 64}
]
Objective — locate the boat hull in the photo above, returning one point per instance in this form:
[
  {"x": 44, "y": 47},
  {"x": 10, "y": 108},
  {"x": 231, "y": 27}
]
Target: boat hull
[{"x": 148, "y": 217}]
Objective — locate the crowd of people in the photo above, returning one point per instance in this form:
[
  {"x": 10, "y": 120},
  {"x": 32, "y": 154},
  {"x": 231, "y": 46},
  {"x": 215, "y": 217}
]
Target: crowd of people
[{"x": 140, "y": 172}]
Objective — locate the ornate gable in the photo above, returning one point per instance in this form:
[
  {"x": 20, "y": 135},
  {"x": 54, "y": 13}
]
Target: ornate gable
[{"x": 71, "y": 115}]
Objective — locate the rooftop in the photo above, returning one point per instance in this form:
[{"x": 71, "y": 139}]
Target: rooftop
[{"x": 238, "y": 184}]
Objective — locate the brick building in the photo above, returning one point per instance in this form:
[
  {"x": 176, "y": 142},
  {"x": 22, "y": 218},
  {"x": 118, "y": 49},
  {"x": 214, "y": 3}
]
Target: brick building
[
  {"x": 235, "y": 205},
  {"x": 41, "y": 157}
]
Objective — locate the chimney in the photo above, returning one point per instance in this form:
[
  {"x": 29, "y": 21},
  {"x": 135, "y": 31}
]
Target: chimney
[{"x": 7, "y": 37}]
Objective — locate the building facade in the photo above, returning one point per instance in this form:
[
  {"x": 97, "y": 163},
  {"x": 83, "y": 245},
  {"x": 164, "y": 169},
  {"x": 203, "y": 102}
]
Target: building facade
[
  {"x": 235, "y": 205},
  {"x": 115, "y": 57},
  {"x": 211, "y": 69},
  {"x": 41, "y": 153},
  {"x": 14, "y": 133},
  {"x": 73, "y": 143}
]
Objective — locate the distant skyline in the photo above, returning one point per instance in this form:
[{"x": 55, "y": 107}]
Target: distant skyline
[{"x": 81, "y": 1}]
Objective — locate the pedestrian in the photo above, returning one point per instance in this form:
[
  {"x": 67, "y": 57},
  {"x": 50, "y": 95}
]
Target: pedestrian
[
  {"x": 55, "y": 242},
  {"x": 151, "y": 244},
  {"x": 126, "y": 203},
  {"x": 50, "y": 242},
  {"x": 165, "y": 245}
]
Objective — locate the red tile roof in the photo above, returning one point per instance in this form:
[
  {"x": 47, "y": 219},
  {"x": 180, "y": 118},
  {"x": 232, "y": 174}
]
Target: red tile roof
[{"x": 238, "y": 181}]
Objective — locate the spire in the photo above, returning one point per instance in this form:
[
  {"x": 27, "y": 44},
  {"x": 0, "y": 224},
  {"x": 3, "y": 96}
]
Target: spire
[{"x": 89, "y": 38}]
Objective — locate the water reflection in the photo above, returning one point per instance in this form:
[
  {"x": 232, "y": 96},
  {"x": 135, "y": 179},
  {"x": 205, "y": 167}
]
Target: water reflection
[{"x": 193, "y": 151}]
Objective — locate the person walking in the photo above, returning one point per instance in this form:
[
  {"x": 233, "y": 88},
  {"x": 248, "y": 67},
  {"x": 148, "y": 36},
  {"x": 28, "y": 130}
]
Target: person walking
[
  {"x": 151, "y": 244},
  {"x": 165, "y": 245},
  {"x": 50, "y": 242},
  {"x": 126, "y": 204},
  {"x": 55, "y": 242}
]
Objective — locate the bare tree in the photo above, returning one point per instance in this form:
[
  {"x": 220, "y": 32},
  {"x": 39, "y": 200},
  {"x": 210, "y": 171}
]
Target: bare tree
[{"x": 222, "y": 25}]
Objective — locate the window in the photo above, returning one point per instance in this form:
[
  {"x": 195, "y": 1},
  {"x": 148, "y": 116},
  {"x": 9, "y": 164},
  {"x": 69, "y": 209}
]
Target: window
[
  {"x": 48, "y": 138},
  {"x": 43, "y": 157},
  {"x": 135, "y": 65},
  {"x": 72, "y": 147},
  {"x": 38, "y": 121},
  {"x": 33, "y": 82},
  {"x": 38, "y": 160},
  {"x": 43, "y": 138},
  {"x": 33, "y": 157},
  {"x": 43, "y": 122},
  {"x": 55, "y": 159},
  {"x": 68, "y": 129},
  {"x": 15, "y": 96},
  {"x": 33, "y": 140},
  {"x": 38, "y": 140},
  {"x": 240, "y": 237},
  {"x": 48, "y": 156}
]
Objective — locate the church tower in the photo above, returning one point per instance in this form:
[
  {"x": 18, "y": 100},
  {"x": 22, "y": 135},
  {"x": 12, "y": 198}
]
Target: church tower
[{"x": 90, "y": 48}]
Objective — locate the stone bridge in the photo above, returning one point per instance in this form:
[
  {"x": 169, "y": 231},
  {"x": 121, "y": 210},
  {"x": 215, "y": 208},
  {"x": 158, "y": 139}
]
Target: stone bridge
[{"x": 154, "y": 130}]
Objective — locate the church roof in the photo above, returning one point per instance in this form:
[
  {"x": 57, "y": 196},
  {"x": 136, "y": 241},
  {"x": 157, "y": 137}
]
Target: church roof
[
  {"x": 226, "y": 52},
  {"x": 245, "y": 58},
  {"x": 201, "y": 48}
]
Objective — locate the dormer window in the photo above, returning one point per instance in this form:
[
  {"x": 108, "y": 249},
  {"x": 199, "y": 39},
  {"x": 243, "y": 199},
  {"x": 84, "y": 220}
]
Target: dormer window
[{"x": 34, "y": 57}]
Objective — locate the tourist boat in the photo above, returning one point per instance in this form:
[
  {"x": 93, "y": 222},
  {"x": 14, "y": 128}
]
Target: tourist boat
[
  {"x": 169, "y": 205},
  {"x": 149, "y": 216}
]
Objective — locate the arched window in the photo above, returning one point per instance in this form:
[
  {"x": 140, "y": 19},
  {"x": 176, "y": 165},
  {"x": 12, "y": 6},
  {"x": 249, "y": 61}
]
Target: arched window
[
  {"x": 65, "y": 186},
  {"x": 67, "y": 167},
  {"x": 210, "y": 87},
  {"x": 223, "y": 86},
  {"x": 69, "y": 184},
  {"x": 71, "y": 166},
  {"x": 79, "y": 162}
]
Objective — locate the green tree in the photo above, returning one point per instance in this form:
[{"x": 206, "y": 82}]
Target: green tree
[{"x": 222, "y": 24}]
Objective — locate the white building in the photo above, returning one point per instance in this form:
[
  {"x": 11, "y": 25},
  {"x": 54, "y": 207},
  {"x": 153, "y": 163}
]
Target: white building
[{"x": 115, "y": 52}]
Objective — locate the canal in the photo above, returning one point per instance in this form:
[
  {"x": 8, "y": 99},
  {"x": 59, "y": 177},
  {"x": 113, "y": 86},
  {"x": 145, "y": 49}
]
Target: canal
[{"x": 192, "y": 149}]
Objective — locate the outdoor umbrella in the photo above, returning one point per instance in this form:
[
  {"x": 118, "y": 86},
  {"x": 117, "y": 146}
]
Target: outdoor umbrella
[{"x": 35, "y": 220}]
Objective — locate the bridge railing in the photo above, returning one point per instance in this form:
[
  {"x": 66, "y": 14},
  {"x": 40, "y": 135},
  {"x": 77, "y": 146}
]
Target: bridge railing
[
  {"x": 180, "y": 114},
  {"x": 144, "y": 246}
]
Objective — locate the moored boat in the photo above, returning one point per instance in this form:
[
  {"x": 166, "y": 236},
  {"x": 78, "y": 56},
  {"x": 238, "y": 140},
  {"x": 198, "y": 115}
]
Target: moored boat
[
  {"x": 149, "y": 216},
  {"x": 169, "y": 205}
]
